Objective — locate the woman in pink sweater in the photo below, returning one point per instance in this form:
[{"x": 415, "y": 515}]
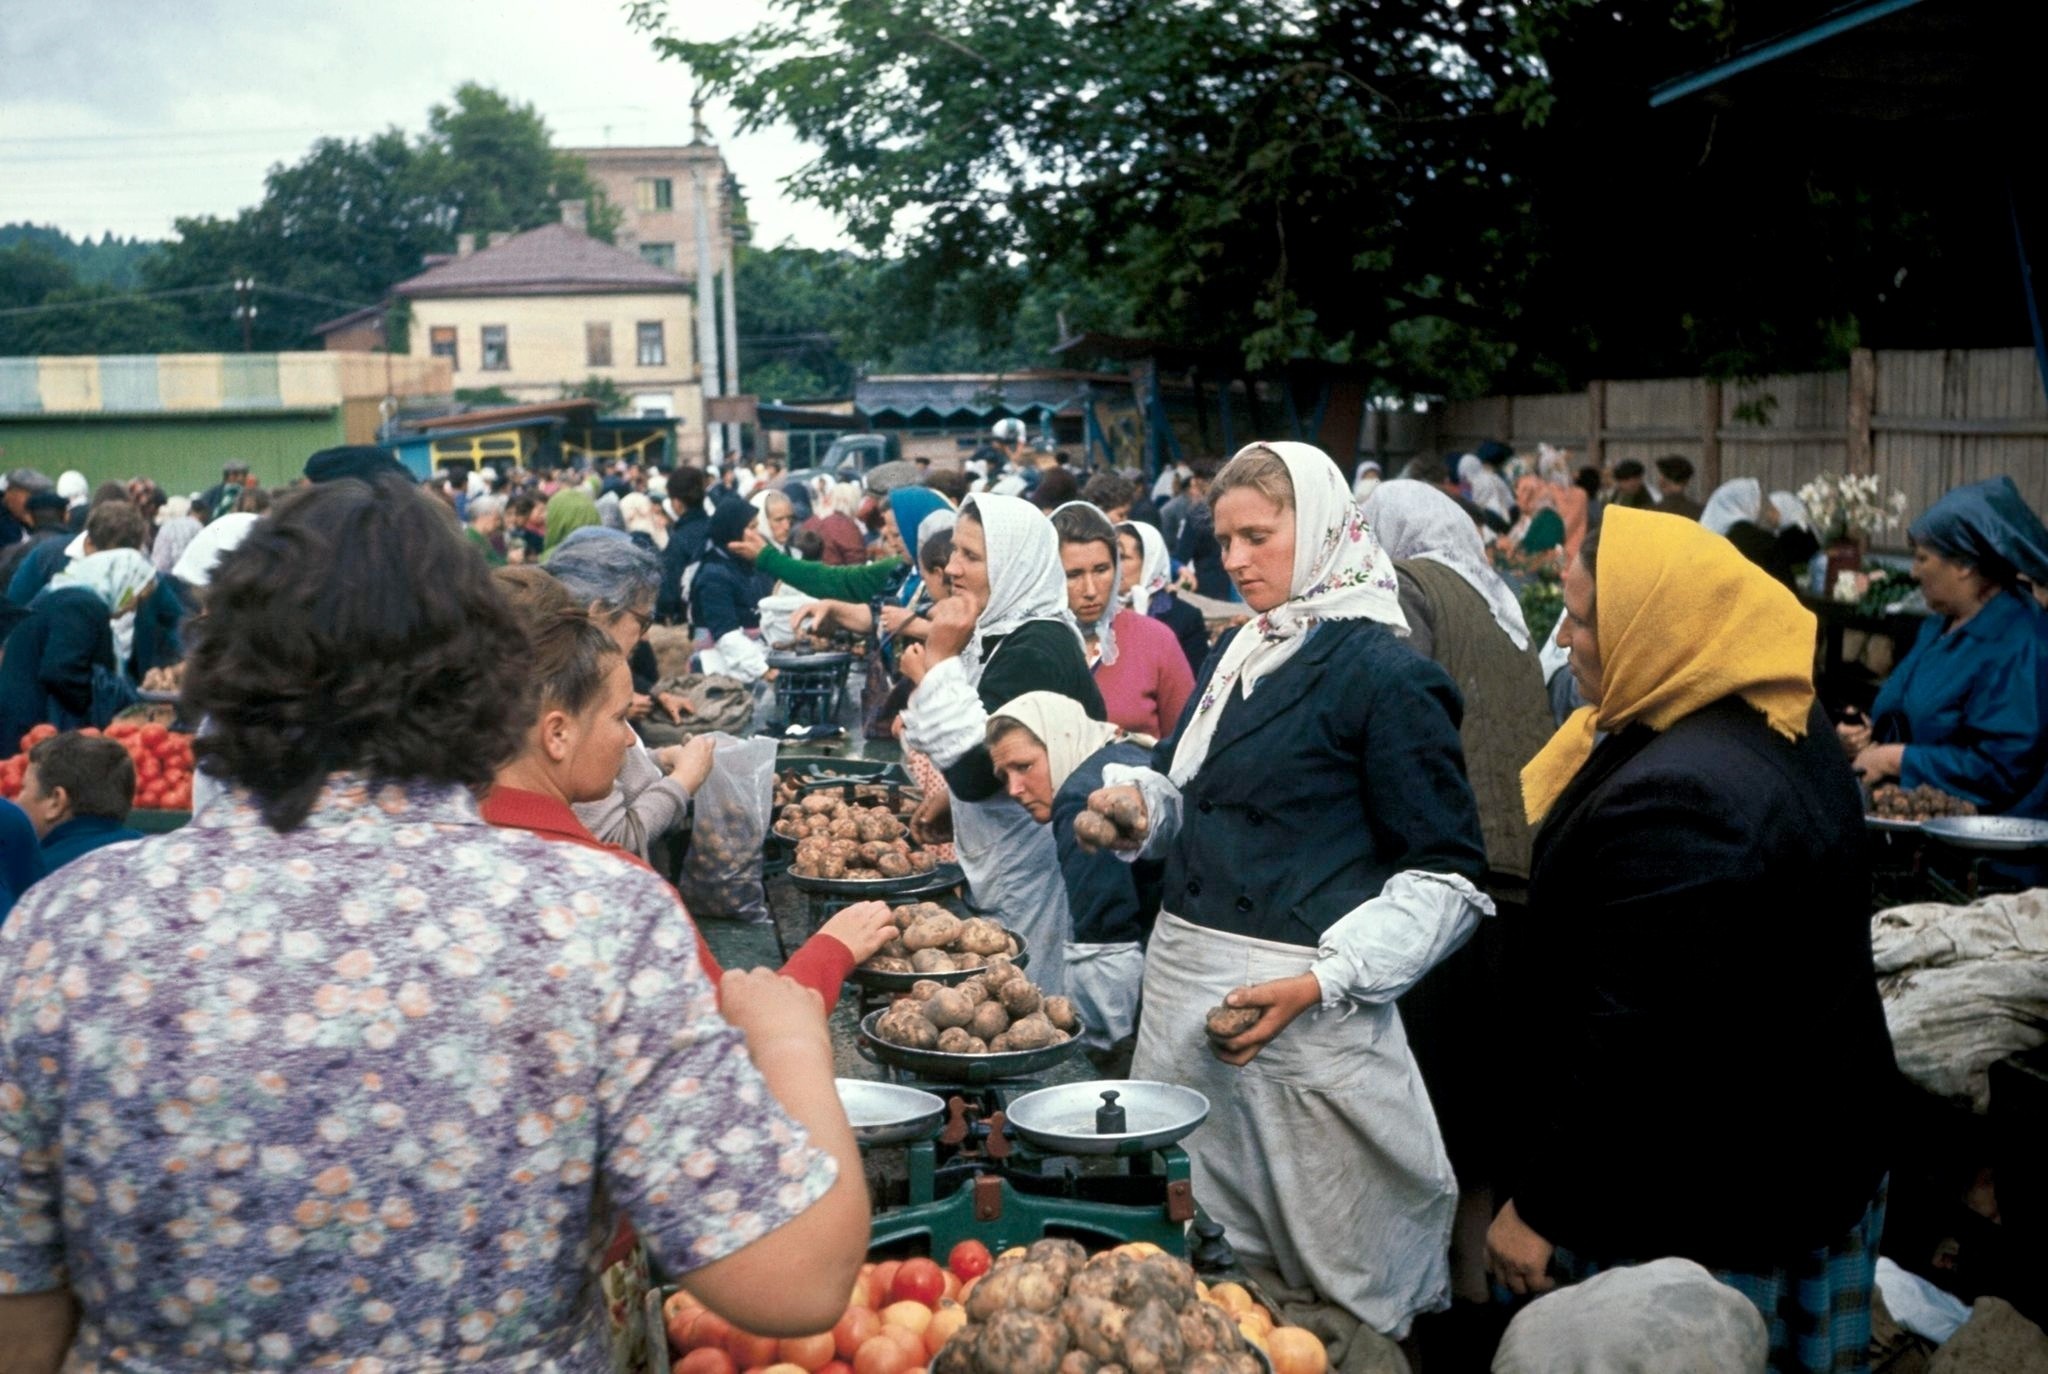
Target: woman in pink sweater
[{"x": 1138, "y": 663}]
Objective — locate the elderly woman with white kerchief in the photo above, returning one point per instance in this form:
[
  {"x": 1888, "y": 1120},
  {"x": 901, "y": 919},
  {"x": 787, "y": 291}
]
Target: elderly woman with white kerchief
[
  {"x": 1774, "y": 534},
  {"x": 1004, "y": 631},
  {"x": 1322, "y": 852}
]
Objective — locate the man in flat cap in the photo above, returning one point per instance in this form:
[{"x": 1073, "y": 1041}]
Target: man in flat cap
[
  {"x": 21, "y": 484},
  {"x": 364, "y": 462},
  {"x": 1629, "y": 489},
  {"x": 1673, "y": 474},
  {"x": 223, "y": 496}
]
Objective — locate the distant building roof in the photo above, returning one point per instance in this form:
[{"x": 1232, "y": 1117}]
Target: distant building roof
[
  {"x": 553, "y": 260},
  {"x": 353, "y": 317},
  {"x": 575, "y": 407}
]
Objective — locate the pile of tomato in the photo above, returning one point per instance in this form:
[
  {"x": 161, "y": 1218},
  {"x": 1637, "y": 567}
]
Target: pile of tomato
[
  {"x": 898, "y": 1316},
  {"x": 163, "y": 763}
]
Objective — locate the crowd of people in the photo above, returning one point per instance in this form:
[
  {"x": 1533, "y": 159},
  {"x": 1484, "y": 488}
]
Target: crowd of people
[{"x": 376, "y": 1057}]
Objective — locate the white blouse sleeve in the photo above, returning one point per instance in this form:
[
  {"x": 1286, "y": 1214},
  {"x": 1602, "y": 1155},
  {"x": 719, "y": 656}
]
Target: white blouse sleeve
[
  {"x": 944, "y": 718},
  {"x": 744, "y": 657},
  {"x": 1383, "y": 947}
]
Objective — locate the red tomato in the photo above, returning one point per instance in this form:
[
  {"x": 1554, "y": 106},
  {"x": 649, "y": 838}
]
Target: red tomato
[
  {"x": 918, "y": 1280},
  {"x": 854, "y": 1328},
  {"x": 748, "y": 1350},
  {"x": 807, "y": 1352},
  {"x": 970, "y": 1259},
  {"x": 879, "y": 1281},
  {"x": 153, "y": 734},
  {"x": 837, "y": 1367},
  {"x": 705, "y": 1359}
]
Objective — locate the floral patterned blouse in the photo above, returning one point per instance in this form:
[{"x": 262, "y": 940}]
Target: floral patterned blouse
[{"x": 366, "y": 1094}]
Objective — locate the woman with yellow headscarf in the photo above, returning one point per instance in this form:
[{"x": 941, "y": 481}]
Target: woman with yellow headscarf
[{"x": 1706, "y": 1038}]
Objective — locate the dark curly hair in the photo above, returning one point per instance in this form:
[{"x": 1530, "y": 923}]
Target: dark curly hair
[{"x": 353, "y": 629}]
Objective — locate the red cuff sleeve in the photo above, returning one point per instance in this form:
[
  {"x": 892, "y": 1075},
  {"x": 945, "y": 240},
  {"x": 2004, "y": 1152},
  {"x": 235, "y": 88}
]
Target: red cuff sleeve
[{"x": 823, "y": 963}]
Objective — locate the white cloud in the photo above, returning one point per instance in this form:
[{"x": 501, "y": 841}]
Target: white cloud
[{"x": 125, "y": 114}]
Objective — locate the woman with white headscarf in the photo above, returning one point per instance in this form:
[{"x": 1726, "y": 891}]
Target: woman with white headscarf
[
  {"x": 1050, "y": 755},
  {"x": 62, "y": 662},
  {"x": 1148, "y": 582},
  {"x": 1759, "y": 528},
  {"x": 1139, "y": 667},
  {"x": 1465, "y": 618},
  {"x": 1005, "y": 631},
  {"x": 175, "y": 532},
  {"x": 643, "y": 516},
  {"x": 1487, "y": 488},
  {"x": 1322, "y": 849}
]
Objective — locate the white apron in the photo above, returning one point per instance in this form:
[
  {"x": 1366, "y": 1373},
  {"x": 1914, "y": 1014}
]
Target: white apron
[
  {"x": 1321, "y": 1158},
  {"x": 1103, "y": 981},
  {"x": 1013, "y": 876}
]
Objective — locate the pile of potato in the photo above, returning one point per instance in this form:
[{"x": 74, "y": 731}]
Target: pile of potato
[
  {"x": 836, "y": 838},
  {"x": 791, "y": 786},
  {"x": 1895, "y": 803},
  {"x": 995, "y": 1012},
  {"x": 932, "y": 939},
  {"x": 1053, "y": 1310}
]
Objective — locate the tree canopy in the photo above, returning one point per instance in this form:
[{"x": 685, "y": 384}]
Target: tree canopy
[{"x": 1450, "y": 195}]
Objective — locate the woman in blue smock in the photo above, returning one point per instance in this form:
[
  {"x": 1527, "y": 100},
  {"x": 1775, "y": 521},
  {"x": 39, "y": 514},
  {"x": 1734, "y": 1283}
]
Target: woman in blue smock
[{"x": 1966, "y": 713}]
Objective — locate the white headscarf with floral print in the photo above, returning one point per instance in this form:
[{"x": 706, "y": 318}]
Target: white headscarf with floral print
[{"x": 1340, "y": 573}]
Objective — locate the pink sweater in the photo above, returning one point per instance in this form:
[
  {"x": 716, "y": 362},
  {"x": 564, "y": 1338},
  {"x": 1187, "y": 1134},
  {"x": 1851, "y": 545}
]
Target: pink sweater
[{"x": 1148, "y": 684}]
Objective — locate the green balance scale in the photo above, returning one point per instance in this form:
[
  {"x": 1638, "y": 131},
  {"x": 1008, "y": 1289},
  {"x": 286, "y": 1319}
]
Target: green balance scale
[{"x": 1011, "y": 1163}]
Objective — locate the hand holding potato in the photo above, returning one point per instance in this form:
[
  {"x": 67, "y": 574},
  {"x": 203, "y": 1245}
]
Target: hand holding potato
[
  {"x": 1115, "y": 819},
  {"x": 1278, "y": 1003}
]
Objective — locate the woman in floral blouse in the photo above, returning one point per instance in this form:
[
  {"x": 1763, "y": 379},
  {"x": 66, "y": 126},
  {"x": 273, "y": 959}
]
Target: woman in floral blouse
[{"x": 341, "y": 1074}]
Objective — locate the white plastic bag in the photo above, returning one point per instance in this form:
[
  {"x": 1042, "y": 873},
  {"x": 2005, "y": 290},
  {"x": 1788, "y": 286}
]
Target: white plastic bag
[{"x": 722, "y": 871}]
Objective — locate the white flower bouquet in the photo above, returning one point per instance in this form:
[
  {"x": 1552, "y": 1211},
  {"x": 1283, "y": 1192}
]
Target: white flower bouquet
[{"x": 1847, "y": 506}]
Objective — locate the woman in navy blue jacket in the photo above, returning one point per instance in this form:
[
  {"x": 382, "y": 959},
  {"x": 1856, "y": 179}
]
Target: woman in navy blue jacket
[
  {"x": 1321, "y": 846},
  {"x": 1967, "y": 711}
]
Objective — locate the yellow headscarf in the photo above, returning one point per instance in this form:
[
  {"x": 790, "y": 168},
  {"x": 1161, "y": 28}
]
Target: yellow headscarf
[{"x": 1683, "y": 621}]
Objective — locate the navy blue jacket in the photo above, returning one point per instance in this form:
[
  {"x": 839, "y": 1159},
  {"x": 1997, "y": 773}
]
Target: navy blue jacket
[
  {"x": 1705, "y": 1035},
  {"x": 686, "y": 543},
  {"x": 21, "y": 857},
  {"x": 43, "y": 562},
  {"x": 1187, "y": 625},
  {"x": 1197, "y": 545},
  {"x": 1112, "y": 902},
  {"x": 80, "y": 836},
  {"x": 1971, "y": 707},
  {"x": 726, "y": 595},
  {"x": 1343, "y": 769},
  {"x": 46, "y": 671}
]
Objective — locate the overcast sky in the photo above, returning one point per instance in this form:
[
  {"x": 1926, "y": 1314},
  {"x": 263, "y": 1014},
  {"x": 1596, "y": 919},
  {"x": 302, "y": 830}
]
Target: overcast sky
[{"x": 124, "y": 114}]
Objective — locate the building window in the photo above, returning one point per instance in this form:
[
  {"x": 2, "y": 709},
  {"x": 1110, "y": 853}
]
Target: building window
[
  {"x": 597, "y": 345},
  {"x": 496, "y": 357},
  {"x": 652, "y": 351},
  {"x": 654, "y": 193},
  {"x": 662, "y": 255},
  {"x": 441, "y": 344}
]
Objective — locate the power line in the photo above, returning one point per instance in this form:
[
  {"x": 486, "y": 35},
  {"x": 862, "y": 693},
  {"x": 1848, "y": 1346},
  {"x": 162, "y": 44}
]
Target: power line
[{"x": 122, "y": 298}]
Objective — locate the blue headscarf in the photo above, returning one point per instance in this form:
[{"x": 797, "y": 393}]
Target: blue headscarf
[
  {"x": 912, "y": 506},
  {"x": 1989, "y": 526}
]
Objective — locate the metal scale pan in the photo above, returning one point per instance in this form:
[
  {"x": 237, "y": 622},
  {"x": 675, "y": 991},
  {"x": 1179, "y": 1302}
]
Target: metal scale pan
[
  {"x": 972, "y": 1070},
  {"x": 889, "y": 1113},
  {"x": 1071, "y": 1119},
  {"x": 1991, "y": 834}
]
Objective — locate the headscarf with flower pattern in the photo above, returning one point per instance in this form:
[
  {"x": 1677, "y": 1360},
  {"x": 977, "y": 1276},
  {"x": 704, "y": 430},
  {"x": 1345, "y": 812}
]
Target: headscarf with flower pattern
[{"x": 1340, "y": 573}]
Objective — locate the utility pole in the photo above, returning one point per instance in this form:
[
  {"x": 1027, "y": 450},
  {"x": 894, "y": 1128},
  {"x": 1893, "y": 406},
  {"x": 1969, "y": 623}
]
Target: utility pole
[
  {"x": 707, "y": 317},
  {"x": 245, "y": 309}
]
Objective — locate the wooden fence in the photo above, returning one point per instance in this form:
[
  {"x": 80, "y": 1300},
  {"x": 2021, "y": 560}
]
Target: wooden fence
[{"x": 1924, "y": 420}]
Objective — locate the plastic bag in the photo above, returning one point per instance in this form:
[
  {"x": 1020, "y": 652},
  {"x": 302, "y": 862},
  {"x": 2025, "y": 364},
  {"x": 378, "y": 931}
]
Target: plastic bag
[{"x": 722, "y": 871}]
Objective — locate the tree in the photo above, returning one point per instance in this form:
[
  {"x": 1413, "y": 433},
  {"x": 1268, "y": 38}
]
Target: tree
[
  {"x": 1451, "y": 196},
  {"x": 338, "y": 228}
]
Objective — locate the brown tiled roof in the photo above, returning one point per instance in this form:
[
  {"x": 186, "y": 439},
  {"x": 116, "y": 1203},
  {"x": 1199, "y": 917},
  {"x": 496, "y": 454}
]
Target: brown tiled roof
[{"x": 549, "y": 261}]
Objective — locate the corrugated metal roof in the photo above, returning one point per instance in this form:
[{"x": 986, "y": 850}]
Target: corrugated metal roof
[{"x": 552, "y": 260}]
